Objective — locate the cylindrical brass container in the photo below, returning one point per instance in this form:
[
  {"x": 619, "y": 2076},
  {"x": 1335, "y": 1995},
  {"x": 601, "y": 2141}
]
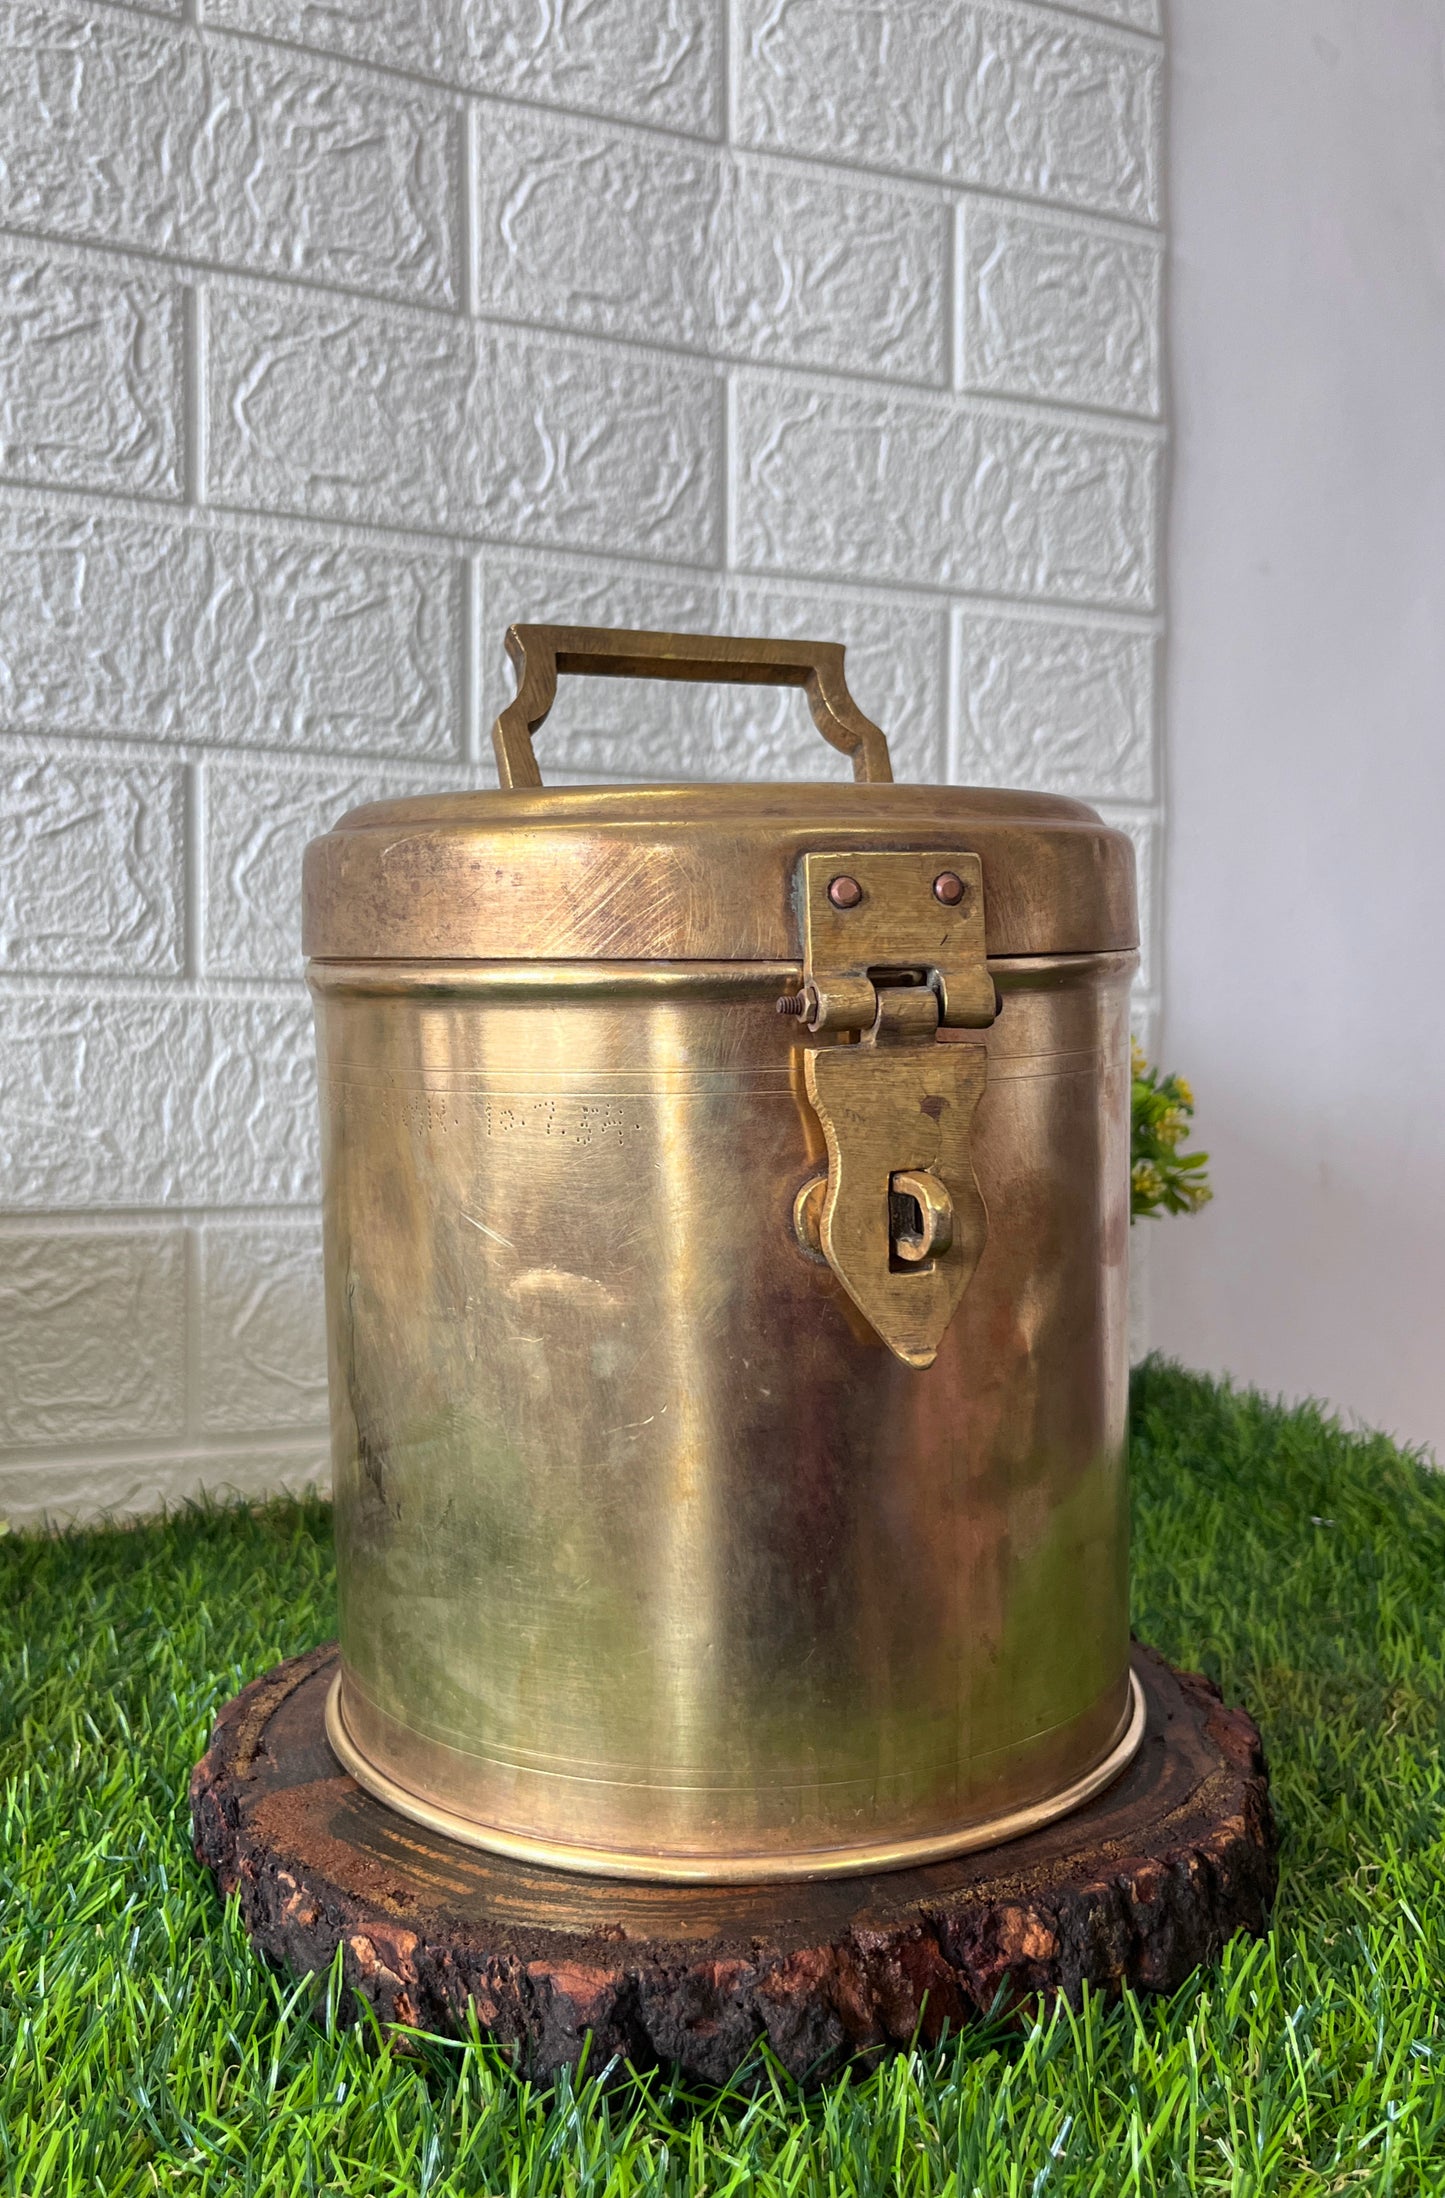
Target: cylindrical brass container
[{"x": 727, "y": 1404}]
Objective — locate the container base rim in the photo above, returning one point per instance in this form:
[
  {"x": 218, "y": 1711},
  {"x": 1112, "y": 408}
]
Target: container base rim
[{"x": 737, "y": 1869}]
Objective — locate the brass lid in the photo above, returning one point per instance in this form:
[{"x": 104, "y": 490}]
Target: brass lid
[{"x": 685, "y": 872}]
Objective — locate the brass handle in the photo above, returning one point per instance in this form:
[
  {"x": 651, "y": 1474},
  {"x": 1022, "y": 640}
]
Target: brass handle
[{"x": 539, "y": 653}]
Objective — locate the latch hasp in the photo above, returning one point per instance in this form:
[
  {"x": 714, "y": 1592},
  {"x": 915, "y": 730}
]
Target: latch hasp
[{"x": 893, "y": 947}]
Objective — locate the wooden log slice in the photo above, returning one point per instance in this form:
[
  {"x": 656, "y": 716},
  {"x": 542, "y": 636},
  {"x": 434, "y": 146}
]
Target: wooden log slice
[{"x": 1139, "y": 1887}]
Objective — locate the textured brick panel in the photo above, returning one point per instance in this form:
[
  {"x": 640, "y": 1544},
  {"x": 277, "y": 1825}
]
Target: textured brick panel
[
  {"x": 592, "y": 228},
  {"x": 1144, "y": 832},
  {"x": 999, "y": 96},
  {"x": 90, "y": 376},
  {"x": 539, "y": 381},
  {"x": 91, "y": 867},
  {"x": 886, "y": 486},
  {"x": 258, "y": 821},
  {"x": 262, "y": 1326},
  {"x": 657, "y": 63},
  {"x": 821, "y": 269},
  {"x": 114, "y": 625},
  {"x": 1055, "y": 311},
  {"x": 1063, "y": 706},
  {"x": 351, "y": 414},
  {"x": 121, "y": 131},
  {"x": 92, "y": 1335},
  {"x": 121, "y": 1100},
  {"x": 67, "y": 1489},
  {"x": 1138, "y": 15}
]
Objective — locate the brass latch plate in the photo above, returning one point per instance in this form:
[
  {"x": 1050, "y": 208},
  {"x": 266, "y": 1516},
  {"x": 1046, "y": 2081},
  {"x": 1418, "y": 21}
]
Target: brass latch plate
[{"x": 893, "y": 946}]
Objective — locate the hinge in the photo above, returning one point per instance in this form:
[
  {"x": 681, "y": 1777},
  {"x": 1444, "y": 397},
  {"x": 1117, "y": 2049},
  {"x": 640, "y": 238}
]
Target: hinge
[
  {"x": 893, "y": 948},
  {"x": 868, "y": 916}
]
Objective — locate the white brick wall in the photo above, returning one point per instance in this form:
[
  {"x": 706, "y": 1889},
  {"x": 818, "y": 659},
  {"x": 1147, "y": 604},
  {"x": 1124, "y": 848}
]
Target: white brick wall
[{"x": 334, "y": 337}]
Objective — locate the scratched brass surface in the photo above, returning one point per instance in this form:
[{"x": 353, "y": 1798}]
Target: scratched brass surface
[
  {"x": 688, "y": 873},
  {"x": 645, "y": 1542}
]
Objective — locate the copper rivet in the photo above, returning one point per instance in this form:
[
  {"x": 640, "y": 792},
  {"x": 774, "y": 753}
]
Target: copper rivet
[
  {"x": 949, "y": 888},
  {"x": 845, "y": 892}
]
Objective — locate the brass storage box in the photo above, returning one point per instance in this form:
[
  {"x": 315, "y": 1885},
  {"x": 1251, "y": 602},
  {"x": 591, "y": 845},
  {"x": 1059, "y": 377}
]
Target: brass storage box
[{"x": 728, "y": 1404}]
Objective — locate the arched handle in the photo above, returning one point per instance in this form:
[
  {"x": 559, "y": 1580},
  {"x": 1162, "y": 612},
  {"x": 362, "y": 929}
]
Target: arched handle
[{"x": 539, "y": 653}]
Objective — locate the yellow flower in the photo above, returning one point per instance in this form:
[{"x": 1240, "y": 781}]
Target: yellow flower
[
  {"x": 1147, "y": 1181},
  {"x": 1160, "y": 1181},
  {"x": 1171, "y": 1127}
]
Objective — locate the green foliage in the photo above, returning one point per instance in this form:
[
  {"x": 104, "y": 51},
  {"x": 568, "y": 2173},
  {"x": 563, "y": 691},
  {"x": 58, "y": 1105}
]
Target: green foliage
[
  {"x": 1161, "y": 1178},
  {"x": 144, "y": 2048}
]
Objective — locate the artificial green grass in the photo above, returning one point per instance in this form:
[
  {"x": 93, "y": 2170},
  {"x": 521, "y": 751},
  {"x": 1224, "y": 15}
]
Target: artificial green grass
[{"x": 143, "y": 2048}]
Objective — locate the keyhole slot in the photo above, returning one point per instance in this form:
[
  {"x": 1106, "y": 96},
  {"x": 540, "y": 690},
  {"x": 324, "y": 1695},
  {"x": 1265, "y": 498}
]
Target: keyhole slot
[
  {"x": 920, "y": 1221},
  {"x": 907, "y": 1241}
]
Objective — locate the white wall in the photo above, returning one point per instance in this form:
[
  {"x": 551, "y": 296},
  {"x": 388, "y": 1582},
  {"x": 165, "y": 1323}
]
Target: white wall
[
  {"x": 332, "y": 337},
  {"x": 1305, "y": 908}
]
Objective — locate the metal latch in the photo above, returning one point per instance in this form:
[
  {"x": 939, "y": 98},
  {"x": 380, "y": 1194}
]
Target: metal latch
[{"x": 893, "y": 948}]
